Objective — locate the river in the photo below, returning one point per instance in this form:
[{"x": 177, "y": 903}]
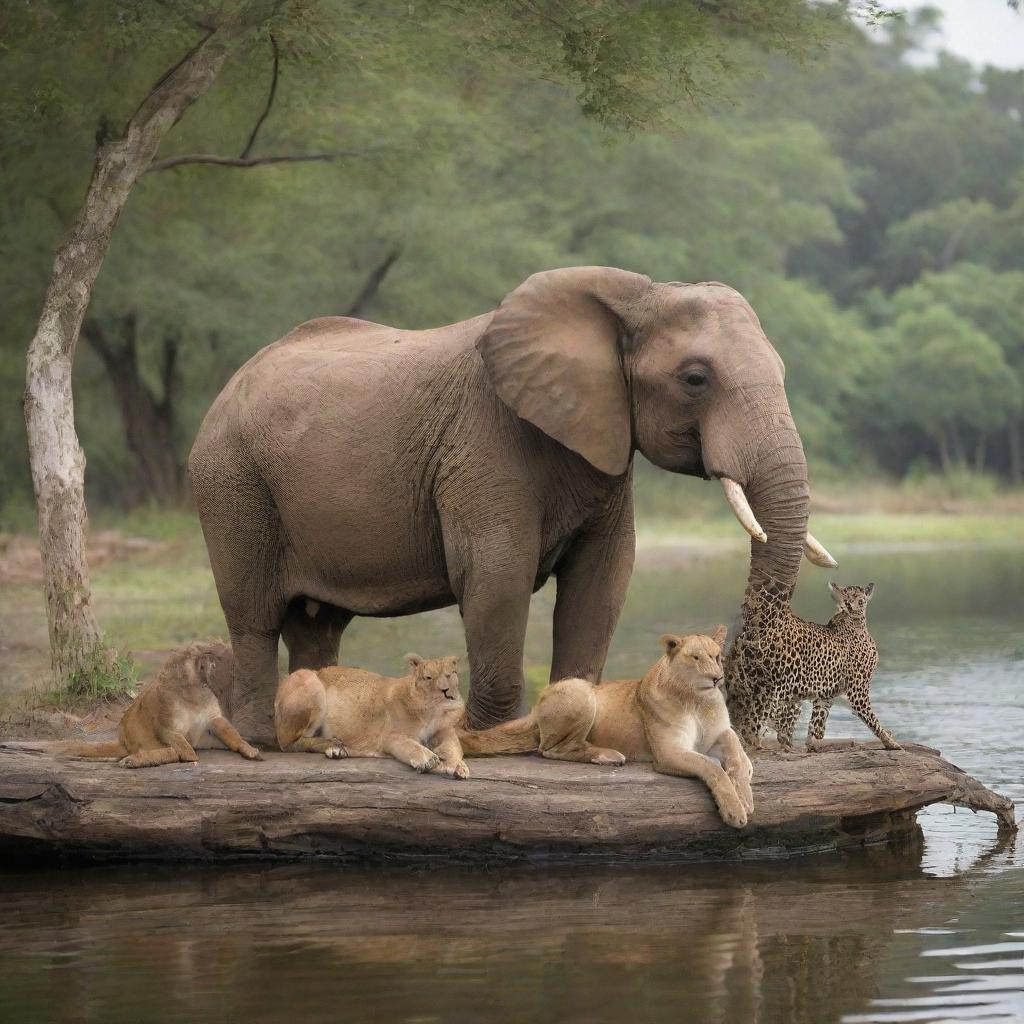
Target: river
[{"x": 931, "y": 930}]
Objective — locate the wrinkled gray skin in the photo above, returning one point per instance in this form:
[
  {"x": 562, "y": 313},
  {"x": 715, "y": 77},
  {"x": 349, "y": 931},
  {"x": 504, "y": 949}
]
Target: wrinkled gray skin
[{"x": 384, "y": 472}]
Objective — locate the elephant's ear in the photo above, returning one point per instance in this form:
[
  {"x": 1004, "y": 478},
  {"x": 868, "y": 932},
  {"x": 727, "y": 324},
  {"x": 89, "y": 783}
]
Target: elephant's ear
[{"x": 552, "y": 353}]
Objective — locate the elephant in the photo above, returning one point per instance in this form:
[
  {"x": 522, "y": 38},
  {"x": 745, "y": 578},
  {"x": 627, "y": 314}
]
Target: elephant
[{"x": 352, "y": 468}]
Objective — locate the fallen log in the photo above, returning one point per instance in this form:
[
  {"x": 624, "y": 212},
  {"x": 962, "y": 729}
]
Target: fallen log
[{"x": 512, "y": 809}]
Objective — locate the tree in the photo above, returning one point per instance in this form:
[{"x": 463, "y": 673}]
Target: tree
[
  {"x": 990, "y": 302},
  {"x": 936, "y": 238},
  {"x": 950, "y": 381},
  {"x": 56, "y": 458}
]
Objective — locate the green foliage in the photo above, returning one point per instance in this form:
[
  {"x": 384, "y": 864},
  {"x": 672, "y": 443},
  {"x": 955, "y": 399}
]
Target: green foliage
[
  {"x": 105, "y": 674},
  {"x": 859, "y": 201},
  {"x": 948, "y": 380}
]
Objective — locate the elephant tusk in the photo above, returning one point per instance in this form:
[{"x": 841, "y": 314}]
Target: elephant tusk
[
  {"x": 742, "y": 510},
  {"x": 817, "y": 554}
]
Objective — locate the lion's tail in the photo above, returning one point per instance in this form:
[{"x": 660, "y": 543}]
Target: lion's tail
[
  {"x": 521, "y": 736},
  {"x": 109, "y": 748}
]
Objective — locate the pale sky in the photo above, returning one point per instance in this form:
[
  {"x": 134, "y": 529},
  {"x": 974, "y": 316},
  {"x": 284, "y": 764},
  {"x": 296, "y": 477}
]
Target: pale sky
[{"x": 982, "y": 31}]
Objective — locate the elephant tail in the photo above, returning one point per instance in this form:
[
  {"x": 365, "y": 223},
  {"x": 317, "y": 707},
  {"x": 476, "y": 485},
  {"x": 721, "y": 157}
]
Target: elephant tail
[
  {"x": 110, "y": 748},
  {"x": 521, "y": 736}
]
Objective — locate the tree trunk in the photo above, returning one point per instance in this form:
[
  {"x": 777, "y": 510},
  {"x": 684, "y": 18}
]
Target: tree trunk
[
  {"x": 56, "y": 457},
  {"x": 150, "y": 422},
  {"x": 943, "y": 444},
  {"x": 959, "y": 452},
  {"x": 979, "y": 454},
  {"x": 1016, "y": 461}
]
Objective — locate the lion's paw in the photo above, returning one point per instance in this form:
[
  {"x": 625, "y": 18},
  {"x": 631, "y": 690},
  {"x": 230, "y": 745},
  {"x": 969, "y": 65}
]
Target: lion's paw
[
  {"x": 335, "y": 751},
  {"x": 733, "y": 814},
  {"x": 746, "y": 798},
  {"x": 609, "y": 757},
  {"x": 426, "y": 764}
]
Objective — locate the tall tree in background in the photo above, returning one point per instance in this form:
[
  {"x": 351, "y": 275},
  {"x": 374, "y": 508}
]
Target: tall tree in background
[{"x": 57, "y": 460}]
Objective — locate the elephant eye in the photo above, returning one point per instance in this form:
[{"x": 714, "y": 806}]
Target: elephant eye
[{"x": 695, "y": 378}]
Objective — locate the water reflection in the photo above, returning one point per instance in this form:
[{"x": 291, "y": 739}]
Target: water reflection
[{"x": 796, "y": 942}]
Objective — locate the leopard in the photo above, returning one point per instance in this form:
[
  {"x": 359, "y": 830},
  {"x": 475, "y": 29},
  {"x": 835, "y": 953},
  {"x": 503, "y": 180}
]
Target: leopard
[{"x": 778, "y": 660}]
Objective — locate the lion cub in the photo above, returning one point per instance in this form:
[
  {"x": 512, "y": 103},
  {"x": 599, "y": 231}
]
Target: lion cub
[
  {"x": 349, "y": 712},
  {"x": 675, "y": 716},
  {"x": 172, "y": 714}
]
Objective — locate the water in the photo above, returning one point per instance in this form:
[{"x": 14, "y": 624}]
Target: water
[{"x": 929, "y": 931}]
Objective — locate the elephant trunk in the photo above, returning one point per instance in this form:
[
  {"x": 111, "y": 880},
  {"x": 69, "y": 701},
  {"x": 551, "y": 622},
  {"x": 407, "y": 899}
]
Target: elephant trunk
[
  {"x": 769, "y": 466},
  {"x": 779, "y": 496}
]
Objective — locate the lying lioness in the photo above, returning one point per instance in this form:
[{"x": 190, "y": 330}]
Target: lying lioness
[
  {"x": 349, "y": 712},
  {"x": 675, "y": 716}
]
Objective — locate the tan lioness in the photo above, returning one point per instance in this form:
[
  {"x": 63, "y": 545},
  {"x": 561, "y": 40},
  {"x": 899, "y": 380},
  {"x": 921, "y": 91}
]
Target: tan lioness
[
  {"x": 675, "y": 716},
  {"x": 173, "y": 713},
  {"x": 349, "y": 712}
]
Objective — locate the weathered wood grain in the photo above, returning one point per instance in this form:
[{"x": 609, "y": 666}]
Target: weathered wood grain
[{"x": 512, "y": 809}]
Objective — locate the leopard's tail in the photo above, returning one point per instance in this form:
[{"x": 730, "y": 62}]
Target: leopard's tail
[
  {"x": 521, "y": 736},
  {"x": 109, "y": 748}
]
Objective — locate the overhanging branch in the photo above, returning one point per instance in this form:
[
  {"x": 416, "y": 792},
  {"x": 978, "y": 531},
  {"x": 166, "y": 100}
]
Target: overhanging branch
[{"x": 253, "y": 161}]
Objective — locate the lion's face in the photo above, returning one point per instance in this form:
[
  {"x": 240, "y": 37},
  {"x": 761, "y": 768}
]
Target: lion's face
[
  {"x": 437, "y": 678},
  {"x": 695, "y": 661}
]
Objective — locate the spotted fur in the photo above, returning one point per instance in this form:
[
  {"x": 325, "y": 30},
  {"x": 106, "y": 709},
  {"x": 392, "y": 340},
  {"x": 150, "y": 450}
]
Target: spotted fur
[{"x": 779, "y": 660}]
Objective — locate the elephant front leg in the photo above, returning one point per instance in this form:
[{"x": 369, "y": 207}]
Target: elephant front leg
[
  {"x": 593, "y": 577},
  {"x": 494, "y": 611},
  {"x": 492, "y": 573}
]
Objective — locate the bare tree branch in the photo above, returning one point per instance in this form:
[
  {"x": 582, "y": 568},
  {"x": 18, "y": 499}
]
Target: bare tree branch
[
  {"x": 253, "y": 161},
  {"x": 373, "y": 282},
  {"x": 244, "y": 159},
  {"x": 270, "y": 100}
]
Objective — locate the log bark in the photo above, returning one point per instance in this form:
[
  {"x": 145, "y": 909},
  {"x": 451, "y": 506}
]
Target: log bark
[
  {"x": 56, "y": 457},
  {"x": 512, "y": 809}
]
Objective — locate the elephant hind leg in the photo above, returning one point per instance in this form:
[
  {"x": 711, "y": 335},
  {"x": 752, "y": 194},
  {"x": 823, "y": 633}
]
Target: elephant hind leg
[
  {"x": 312, "y": 632},
  {"x": 243, "y": 536},
  {"x": 253, "y": 681}
]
